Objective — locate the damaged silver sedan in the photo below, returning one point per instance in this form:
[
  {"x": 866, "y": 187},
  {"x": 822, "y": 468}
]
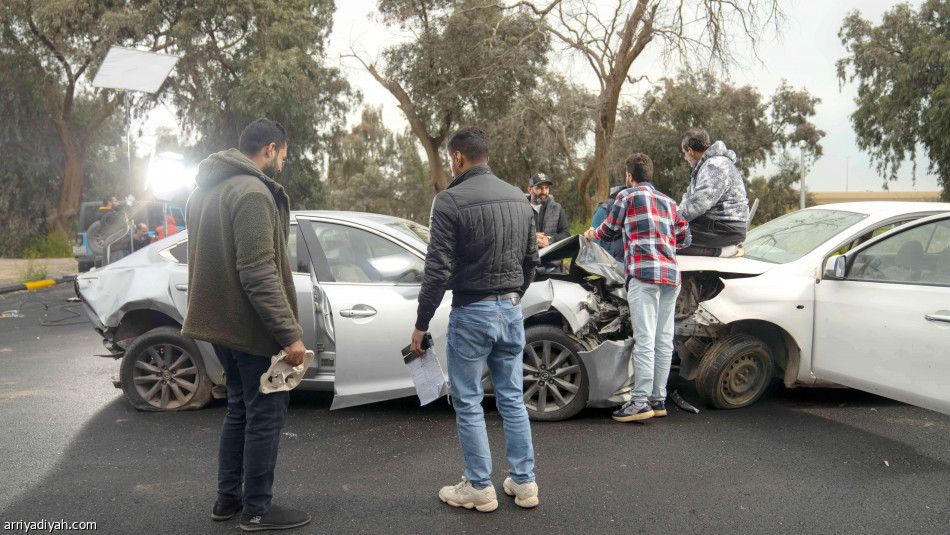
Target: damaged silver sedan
[{"x": 357, "y": 278}]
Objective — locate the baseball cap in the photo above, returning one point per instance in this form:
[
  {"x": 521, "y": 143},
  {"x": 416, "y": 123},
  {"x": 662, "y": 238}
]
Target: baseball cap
[{"x": 539, "y": 178}]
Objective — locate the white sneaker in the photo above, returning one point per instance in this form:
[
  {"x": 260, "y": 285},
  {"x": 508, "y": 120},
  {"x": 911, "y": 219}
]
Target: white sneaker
[
  {"x": 526, "y": 494},
  {"x": 466, "y": 495}
]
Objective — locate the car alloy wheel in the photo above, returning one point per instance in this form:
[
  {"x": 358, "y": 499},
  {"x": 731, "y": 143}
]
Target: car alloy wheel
[
  {"x": 162, "y": 371},
  {"x": 555, "y": 381}
]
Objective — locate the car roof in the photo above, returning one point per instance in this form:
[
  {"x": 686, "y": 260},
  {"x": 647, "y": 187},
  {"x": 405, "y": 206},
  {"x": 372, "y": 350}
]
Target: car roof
[
  {"x": 885, "y": 208},
  {"x": 352, "y": 217}
]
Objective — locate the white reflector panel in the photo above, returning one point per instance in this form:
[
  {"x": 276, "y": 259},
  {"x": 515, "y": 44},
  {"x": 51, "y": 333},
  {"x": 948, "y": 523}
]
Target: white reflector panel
[{"x": 134, "y": 70}]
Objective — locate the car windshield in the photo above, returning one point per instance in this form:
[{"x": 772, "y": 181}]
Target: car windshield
[
  {"x": 792, "y": 236},
  {"x": 412, "y": 229}
]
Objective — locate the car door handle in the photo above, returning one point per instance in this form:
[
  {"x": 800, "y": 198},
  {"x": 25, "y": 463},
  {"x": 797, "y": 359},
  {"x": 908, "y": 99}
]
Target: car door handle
[
  {"x": 181, "y": 287},
  {"x": 359, "y": 311},
  {"x": 941, "y": 316}
]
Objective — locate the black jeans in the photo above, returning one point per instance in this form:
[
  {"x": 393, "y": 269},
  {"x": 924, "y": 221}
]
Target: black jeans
[
  {"x": 709, "y": 236},
  {"x": 251, "y": 433}
]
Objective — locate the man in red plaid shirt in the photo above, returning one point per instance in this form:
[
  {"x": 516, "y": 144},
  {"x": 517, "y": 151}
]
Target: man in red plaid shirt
[{"x": 652, "y": 231}]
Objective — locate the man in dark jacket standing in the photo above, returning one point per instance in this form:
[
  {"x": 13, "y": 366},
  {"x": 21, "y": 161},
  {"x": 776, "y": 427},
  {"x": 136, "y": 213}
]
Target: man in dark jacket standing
[
  {"x": 241, "y": 299},
  {"x": 550, "y": 220},
  {"x": 482, "y": 246}
]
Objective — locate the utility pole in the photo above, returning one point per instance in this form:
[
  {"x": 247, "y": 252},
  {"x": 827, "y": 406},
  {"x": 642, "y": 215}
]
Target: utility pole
[
  {"x": 846, "y": 172},
  {"x": 801, "y": 146}
]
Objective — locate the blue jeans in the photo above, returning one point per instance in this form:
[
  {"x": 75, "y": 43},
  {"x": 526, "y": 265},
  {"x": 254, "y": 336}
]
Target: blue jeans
[
  {"x": 651, "y": 312},
  {"x": 251, "y": 433},
  {"x": 489, "y": 332}
]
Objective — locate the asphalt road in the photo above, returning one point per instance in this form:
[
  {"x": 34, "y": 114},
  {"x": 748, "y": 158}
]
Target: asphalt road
[{"x": 799, "y": 461}]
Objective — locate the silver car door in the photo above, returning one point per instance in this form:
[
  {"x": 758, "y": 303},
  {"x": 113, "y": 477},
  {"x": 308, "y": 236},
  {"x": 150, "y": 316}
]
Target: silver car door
[
  {"x": 882, "y": 320},
  {"x": 372, "y": 283}
]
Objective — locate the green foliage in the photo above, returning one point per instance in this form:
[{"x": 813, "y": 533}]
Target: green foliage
[
  {"x": 579, "y": 226},
  {"x": 373, "y": 169},
  {"x": 33, "y": 272},
  {"x": 522, "y": 144},
  {"x": 466, "y": 63},
  {"x": 51, "y": 245},
  {"x": 242, "y": 60},
  {"x": 758, "y": 130},
  {"x": 903, "y": 75},
  {"x": 467, "y": 60}
]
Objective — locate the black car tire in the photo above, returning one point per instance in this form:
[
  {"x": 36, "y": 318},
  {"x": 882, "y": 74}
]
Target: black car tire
[
  {"x": 561, "y": 393},
  {"x": 85, "y": 266},
  {"x": 152, "y": 381},
  {"x": 735, "y": 371},
  {"x": 94, "y": 237}
]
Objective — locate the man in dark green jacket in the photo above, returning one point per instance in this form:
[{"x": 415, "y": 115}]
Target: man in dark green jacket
[{"x": 241, "y": 299}]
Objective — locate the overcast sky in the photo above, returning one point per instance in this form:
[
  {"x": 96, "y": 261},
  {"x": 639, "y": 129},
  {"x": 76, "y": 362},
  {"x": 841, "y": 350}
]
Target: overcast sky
[{"x": 805, "y": 55}]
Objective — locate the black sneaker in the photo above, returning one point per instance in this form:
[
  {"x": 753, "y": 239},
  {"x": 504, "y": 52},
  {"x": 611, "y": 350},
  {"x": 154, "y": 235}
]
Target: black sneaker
[
  {"x": 221, "y": 512},
  {"x": 659, "y": 408},
  {"x": 277, "y": 518},
  {"x": 633, "y": 411}
]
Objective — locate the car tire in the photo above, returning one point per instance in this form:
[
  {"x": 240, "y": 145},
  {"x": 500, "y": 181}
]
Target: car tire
[
  {"x": 735, "y": 371},
  {"x": 94, "y": 237},
  {"x": 550, "y": 397},
  {"x": 85, "y": 266},
  {"x": 152, "y": 381}
]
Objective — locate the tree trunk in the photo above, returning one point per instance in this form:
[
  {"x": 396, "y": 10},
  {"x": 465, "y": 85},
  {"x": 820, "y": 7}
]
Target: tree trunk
[
  {"x": 436, "y": 169},
  {"x": 596, "y": 170},
  {"x": 71, "y": 173},
  {"x": 63, "y": 219}
]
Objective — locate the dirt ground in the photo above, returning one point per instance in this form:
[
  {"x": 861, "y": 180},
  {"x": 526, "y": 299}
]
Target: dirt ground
[{"x": 12, "y": 269}]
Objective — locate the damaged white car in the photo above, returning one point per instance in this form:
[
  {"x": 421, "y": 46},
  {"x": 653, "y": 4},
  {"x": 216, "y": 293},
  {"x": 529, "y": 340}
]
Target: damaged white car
[
  {"x": 854, "y": 294},
  {"x": 740, "y": 321}
]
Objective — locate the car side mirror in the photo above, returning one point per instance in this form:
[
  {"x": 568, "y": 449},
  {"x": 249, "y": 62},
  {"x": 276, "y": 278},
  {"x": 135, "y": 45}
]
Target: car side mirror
[{"x": 835, "y": 267}]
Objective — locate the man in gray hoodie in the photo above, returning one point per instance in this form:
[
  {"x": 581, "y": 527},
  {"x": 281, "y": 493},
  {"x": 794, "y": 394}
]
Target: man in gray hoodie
[{"x": 715, "y": 204}]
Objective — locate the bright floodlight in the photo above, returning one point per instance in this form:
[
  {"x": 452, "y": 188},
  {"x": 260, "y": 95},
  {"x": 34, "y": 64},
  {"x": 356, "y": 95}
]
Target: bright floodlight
[
  {"x": 168, "y": 174},
  {"x": 134, "y": 70}
]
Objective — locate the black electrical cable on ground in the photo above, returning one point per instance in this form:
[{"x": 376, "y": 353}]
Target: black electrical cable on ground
[{"x": 70, "y": 319}]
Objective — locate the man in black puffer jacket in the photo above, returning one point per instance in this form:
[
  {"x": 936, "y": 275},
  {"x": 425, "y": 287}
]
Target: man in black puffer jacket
[
  {"x": 549, "y": 217},
  {"x": 482, "y": 246}
]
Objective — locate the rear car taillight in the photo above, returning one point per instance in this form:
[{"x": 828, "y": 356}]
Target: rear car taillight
[{"x": 78, "y": 239}]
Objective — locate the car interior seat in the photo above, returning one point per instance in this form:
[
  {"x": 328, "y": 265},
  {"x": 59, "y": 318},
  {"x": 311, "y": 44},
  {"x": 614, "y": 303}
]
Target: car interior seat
[
  {"x": 910, "y": 261},
  {"x": 942, "y": 269}
]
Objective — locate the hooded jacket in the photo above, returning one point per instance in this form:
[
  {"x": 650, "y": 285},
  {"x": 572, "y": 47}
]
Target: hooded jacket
[
  {"x": 240, "y": 290},
  {"x": 716, "y": 188}
]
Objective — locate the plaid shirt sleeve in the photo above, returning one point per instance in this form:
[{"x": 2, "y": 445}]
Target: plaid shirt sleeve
[
  {"x": 612, "y": 227},
  {"x": 683, "y": 235}
]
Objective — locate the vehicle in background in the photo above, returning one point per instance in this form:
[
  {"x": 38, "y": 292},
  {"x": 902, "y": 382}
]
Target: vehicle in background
[{"x": 90, "y": 241}]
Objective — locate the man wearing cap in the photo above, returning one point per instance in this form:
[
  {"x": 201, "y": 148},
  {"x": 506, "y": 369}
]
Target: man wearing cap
[{"x": 549, "y": 218}]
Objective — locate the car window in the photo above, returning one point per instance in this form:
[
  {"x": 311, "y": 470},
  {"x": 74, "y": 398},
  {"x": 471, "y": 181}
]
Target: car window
[
  {"x": 297, "y": 251},
  {"x": 871, "y": 234},
  {"x": 792, "y": 236},
  {"x": 919, "y": 255},
  {"x": 180, "y": 252},
  {"x": 413, "y": 230},
  {"x": 359, "y": 256}
]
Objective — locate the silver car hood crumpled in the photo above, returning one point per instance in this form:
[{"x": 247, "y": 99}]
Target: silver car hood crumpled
[{"x": 105, "y": 291}]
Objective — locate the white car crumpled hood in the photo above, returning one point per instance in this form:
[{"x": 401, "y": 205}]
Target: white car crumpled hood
[{"x": 739, "y": 265}]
